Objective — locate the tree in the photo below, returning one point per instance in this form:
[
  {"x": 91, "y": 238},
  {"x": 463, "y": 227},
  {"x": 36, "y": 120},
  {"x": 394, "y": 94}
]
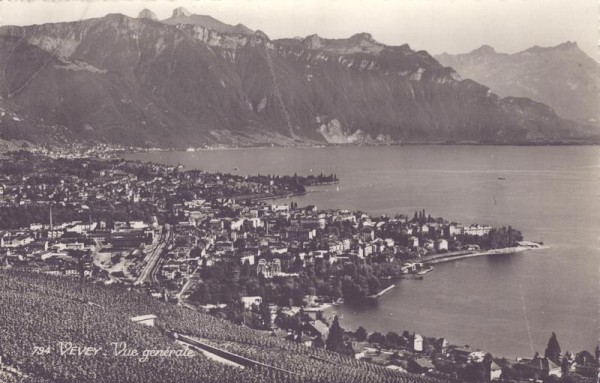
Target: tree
[
  {"x": 566, "y": 363},
  {"x": 265, "y": 315},
  {"x": 553, "y": 349},
  {"x": 201, "y": 295},
  {"x": 487, "y": 366},
  {"x": 360, "y": 334},
  {"x": 335, "y": 339},
  {"x": 394, "y": 340},
  {"x": 377, "y": 338},
  {"x": 318, "y": 342}
]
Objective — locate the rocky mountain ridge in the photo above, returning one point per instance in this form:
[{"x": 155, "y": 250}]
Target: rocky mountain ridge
[
  {"x": 144, "y": 82},
  {"x": 183, "y": 16},
  {"x": 562, "y": 76}
]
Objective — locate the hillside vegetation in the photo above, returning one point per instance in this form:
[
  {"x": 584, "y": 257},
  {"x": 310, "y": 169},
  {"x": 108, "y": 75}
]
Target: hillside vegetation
[{"x": 39, "y": 310}]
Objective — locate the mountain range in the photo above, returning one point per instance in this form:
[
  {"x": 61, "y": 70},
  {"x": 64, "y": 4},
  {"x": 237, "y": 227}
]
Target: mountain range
[
  {"x": 563, "y": 77},
  {"x": 192, "y": 80}
]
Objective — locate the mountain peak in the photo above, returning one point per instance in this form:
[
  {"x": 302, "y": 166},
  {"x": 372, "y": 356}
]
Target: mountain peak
[
  {"x": 484, "y": 50},
  {"x": 313, "y": 42},
  {"x": 568, "y": 45},
  {"x": 242, "y": 29},
  {"x": 183, "y": 16},
  {"x": 261, "y": 34},
  {"x": 181, "y": 12},
  {"x": 147, "y": 14},
  {"x": 364, "y": 36},
  {"x": 352, "y": 88}
]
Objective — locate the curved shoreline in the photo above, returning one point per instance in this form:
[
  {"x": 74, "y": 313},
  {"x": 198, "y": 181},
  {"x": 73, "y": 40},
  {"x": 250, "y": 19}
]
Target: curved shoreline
[{"x": 505, "y": 250}]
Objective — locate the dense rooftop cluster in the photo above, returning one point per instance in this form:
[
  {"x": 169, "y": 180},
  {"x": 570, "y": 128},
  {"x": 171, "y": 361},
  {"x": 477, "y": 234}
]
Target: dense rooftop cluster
[{"x": 208, "y": 242}]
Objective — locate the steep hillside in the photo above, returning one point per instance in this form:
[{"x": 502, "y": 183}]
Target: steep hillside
[
  {"x": 563, "y": 77},
  {"x": 143, "y": 82},
  {"x": 41, "y": 310}
]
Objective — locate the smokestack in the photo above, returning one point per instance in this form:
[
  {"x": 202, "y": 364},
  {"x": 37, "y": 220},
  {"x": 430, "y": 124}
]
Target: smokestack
[{"x": 51, "y": 226}]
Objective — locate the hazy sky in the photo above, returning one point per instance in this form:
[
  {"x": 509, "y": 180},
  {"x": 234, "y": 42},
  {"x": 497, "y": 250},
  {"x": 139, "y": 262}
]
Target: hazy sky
[{"x": 453, "y": 26}]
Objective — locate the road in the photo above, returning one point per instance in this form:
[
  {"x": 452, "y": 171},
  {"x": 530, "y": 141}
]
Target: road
[
  {"x": 228, "y": 355},
  {"x": 154, "y": 257},
  {"x": 192, "y": 279}
]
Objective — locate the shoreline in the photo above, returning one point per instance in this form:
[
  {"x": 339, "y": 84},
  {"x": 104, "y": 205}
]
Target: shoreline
[
  {"x": 327, "y": 145},
  {"x": 504, "y": 250}
]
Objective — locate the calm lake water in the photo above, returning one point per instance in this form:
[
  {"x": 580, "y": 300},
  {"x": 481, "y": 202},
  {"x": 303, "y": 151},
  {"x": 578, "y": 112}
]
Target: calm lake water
[{"x": 505, "y": 304}]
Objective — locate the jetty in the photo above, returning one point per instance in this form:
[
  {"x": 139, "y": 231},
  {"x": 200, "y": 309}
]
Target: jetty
[{"x": 379, "y": 294}]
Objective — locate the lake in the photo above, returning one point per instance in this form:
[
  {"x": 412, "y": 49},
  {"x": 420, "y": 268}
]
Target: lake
[{"x": 505, "y": 304}]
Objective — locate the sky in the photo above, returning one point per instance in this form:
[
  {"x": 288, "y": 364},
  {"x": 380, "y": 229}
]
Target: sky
[{"x": 452, "y": 26}]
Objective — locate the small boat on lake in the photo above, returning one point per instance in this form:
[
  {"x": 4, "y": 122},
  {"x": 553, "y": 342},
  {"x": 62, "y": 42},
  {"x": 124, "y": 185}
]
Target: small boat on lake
[{"x": 425, "y": 271}]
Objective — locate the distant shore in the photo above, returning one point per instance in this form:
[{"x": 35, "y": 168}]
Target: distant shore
[{"x": 370, "y": 144}]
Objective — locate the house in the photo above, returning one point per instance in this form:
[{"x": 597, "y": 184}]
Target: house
[
  {"x": 304, "y": 340},
  {"x": 540, "y": 368},
  {"x": 495, "y": 371},
  {"x": 477, "y": 230},
  {"x": 360, "y": 351},
  {"x": 420, "y": 366},
  {"x": 299, "y": 233},
  {"x": 413, "y": 242},
  {"x": 379, "y": 359},
  {"x": 268, "y": 269},
  {"x": 367, "y": 234},
  {"x": 467, "y": 354},
  {"x": 72, "y": 272},
  {"x": 441, "y": 345},
  {"x": 418, "y": 343},
  {"x": 317, "y": 328},
  {"x": 147, "y": 320},
  {"x": 312, "y": 314},
  {"x": 396, "y": 365},
  {"x": 441, "y": 244},
  {"x": 251, "y": 300},
  {"x": 247, "y": 258},
  {"x": 453, "y": 230},
  {"x": 223, "y": 246},
  {"x": 280, "y": 208},
  {"x": 282, "y": 334},
  {"x": 137, "y": 224},
  {"x": 21, "y": 239},
  {"x": 429, "y": 244}
]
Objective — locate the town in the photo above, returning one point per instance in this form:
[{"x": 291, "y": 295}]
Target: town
[{"x": 213, "y": 242}]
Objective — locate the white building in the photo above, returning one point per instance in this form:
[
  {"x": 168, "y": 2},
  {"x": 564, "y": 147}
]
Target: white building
[
  {"x": 418, "y": 343},
  {"x": 251, "y": 300},
  {"x": 477, "y": 230},
  {"x": 441, "y": 244}
]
